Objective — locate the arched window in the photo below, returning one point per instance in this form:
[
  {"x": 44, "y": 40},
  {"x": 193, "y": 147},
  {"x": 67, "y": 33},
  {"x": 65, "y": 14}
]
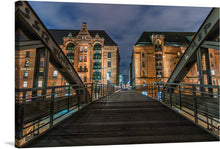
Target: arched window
[
  {"x": 158, "y": 44},
  {"x": 70, "y": 56},
  {"x": 70, "y": 46},
  {"x": 97, "y": 46},
  {"x": 97, "y": 75},
  {"x": 97, "y": 56}
]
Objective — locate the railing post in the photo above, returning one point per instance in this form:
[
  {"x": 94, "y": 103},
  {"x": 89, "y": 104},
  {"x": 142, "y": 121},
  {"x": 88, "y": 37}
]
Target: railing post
[
  {"x": 171, "y": 97},
  {"x": 68, "y": 108},
  {"x": 158, "y": 92},
  {"x": 78, "y": 97},
  {"x": 163, "y": 98},
  {"x": 95, "y": 90},
  {"x": 52, "y": 107},
  {"x": 21, "y": 122},
  {"x": 180, "y": 100},
  {"x": 101, "y": 90},
  {"x": 147, "y": 89},
  {"x": 86, "y": 93},
  {"x": 195, "y": 103},
  {"x": 154, "y": 88},
  {"x": 151, "y": 87},
  {"x": 91, "y": 92}
]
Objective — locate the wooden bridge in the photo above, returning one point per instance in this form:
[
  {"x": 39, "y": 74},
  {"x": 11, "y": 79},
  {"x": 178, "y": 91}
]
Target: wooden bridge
[{"x": 127, "y": 117}]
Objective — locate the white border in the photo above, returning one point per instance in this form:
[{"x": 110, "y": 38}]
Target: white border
[{"x": 7, "y": 71}]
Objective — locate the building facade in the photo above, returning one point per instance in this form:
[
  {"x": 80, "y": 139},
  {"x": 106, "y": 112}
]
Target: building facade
[
  {"x": 94, "y": 55},
  {"x": 156, "y": 54}
]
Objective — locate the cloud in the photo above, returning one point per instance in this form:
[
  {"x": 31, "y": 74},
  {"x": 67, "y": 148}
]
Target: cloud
[{"x": 123, "y": 23}]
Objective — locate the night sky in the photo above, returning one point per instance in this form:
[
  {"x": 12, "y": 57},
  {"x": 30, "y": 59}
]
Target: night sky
[{"x": 123, "y": 23}]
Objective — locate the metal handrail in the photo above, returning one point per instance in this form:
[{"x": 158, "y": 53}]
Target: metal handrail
[
  {"x": 177, "y": 95},
  {"x": 48, "y": 105}
]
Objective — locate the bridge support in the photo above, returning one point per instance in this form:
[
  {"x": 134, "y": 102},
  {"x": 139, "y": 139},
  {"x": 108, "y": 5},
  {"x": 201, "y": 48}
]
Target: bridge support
[
  {"x": 41, "y": 73},
  {"x": 199, "y": 68},
  {"x": 201, "y": 73},
  {"x": 208, "y": 70}
]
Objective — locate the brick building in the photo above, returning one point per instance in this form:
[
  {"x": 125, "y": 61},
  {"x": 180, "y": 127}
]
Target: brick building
[
  {"x": 94, "y": 55},
  {"x": 156, "y": 54}
]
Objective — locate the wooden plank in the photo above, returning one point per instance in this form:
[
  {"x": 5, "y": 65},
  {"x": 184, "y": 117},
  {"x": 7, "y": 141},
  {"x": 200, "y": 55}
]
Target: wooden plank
[{"x": 124, "y": 118}]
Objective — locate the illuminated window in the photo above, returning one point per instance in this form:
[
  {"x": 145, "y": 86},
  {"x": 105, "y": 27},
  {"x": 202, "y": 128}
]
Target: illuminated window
[
  {"x": 25, "y": 84},
  {"x": 70, "y": 46},
  {"x": 85, "y": 48},
  {"x": 81, "y": 49},
  {"x": 27, "y": 64},
  {"x": 39, "y": 83},
  {"x": 109, "y": 73},
  {"x": 41, "y": 63},
  {"x": 159, "y": 73},
  {"x": 96, "y": 65},
  {"x": 85, "y": 58},
  {"x": 26, "y": 74},
  {"x": 81, "y": 58},
  {"x": 54, "y": 73},
  {"x": 70, "y": 56},
  {"x": 97, "y": 75},
  {"x": 213, "y": 72},
  {"x": 97, "y": 56},
  {"x": 97, "y": 46}
]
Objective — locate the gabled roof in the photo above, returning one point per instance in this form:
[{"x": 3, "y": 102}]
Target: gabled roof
[
  {"x": 179, "y": 38},
  {"x": 59, "y": 34}
]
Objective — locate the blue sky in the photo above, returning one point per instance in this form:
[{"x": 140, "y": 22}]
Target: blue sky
[{"x": 123, "y": 23}]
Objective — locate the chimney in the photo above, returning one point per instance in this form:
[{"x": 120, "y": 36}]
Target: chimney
[{"x": 84, "y": 24}]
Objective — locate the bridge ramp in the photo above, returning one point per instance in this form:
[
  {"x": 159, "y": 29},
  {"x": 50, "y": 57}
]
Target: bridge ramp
[{"x": 127, "y": 117}]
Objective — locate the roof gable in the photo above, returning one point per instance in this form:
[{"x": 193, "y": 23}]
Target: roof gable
[
  {"x": 59, "y": 34},
  {"x": 169, "y": 37}
]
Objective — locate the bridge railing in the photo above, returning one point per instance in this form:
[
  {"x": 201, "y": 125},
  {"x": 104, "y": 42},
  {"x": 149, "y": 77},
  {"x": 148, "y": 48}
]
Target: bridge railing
[
  {"x": 39, "y": 109},
  {"x": 200, "y": 103}
]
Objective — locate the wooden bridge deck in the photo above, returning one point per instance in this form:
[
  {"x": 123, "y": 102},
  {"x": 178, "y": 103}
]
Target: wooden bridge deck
[{"x": 124, "y": 118}]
